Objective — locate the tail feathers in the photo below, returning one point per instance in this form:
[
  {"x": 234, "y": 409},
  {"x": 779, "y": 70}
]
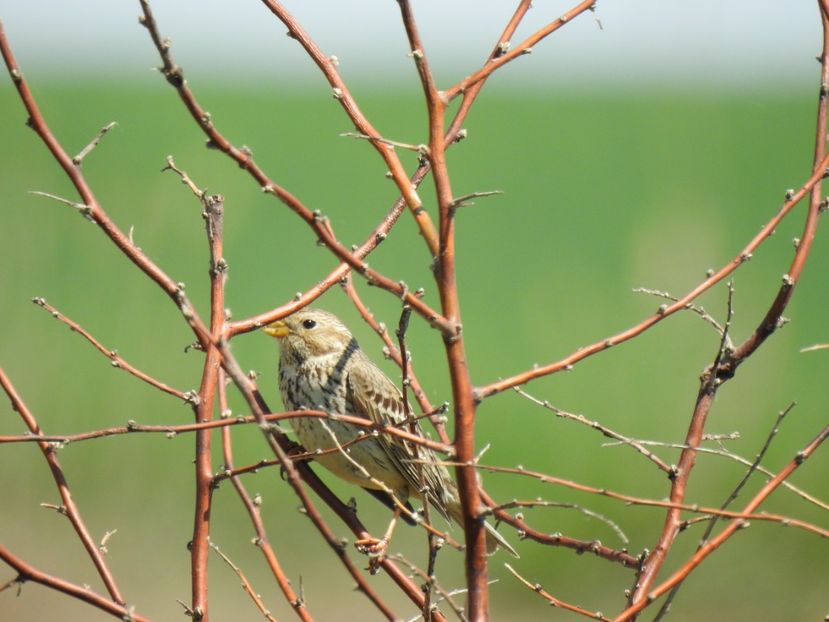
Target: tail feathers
[{"x": 494, "y": 540}]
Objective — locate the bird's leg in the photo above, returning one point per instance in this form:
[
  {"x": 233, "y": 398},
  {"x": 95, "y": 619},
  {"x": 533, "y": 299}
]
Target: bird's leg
[
  {"x": 376, "y": 549},
  {"x": 294, "y": 449}
]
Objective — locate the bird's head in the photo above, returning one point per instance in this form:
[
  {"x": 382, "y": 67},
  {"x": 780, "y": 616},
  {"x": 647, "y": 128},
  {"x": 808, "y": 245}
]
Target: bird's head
[{"x": 309, "y": 333}]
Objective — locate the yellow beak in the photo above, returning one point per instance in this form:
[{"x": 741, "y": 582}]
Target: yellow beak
[{"x": 278, "y": 329}]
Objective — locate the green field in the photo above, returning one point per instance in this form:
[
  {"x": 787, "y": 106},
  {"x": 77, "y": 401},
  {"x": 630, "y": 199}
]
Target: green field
[{"x": 603, "y": 192}]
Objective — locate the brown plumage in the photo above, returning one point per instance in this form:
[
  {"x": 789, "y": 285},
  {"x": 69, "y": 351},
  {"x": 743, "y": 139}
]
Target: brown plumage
[{"x": 321, "y": 366}]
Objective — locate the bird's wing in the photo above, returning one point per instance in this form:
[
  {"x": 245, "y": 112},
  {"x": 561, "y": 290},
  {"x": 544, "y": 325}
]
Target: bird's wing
[{"x": 377, "y": 398}]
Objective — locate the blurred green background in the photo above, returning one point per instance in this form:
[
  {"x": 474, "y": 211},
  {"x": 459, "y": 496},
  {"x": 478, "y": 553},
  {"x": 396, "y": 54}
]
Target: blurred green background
[{"x": 603, "y": 192}]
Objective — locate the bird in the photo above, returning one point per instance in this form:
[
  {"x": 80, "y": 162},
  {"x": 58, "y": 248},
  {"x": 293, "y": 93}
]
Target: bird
[{"x": 321, "y": 366}]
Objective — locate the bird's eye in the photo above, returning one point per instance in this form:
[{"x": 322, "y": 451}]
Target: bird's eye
[{"x": 309, "y": 324}]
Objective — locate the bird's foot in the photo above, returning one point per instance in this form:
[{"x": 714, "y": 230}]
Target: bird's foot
[
  {"x": 294, "y": 450},
  {"x": 376, "y": 549}
]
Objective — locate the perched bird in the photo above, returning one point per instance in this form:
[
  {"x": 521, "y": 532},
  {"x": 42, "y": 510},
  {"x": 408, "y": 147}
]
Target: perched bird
[{"x": 321, "y": 366}]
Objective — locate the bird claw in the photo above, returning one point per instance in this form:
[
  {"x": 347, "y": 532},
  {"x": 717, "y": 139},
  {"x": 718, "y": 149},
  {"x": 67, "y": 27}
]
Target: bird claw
[
  {"x": 376, "y": 549},
  {"x": 293, "y": 450}
]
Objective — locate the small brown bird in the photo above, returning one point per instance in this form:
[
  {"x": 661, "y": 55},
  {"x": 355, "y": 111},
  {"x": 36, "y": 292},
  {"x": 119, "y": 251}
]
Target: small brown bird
[{"x": 322, "y": 367}]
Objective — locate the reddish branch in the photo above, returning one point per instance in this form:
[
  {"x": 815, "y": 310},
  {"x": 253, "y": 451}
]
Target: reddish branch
[
  {"x": 633, "y": 500},
  {"x": 556, "y": 602},
  {"x": 213, "y": 206},
  {"x": 26, "y": 572},
  {"x": 175, "y": 76},
  {"x": 117, "y": 361},
  {"x": 445, "y": 276},
  {"x": 599, "y": 346},
  {"x": 361, "y": 123},
  {"x": 522, "y": 48},
  {"x": 171, "y": 430},
  {"x": 90, "y": 207},
  {"x": 69, "y": 508},
  {"x": 726, "y": 365},
  {"x": 738, "y": 523},
  {"x": 255, "y": 516}
]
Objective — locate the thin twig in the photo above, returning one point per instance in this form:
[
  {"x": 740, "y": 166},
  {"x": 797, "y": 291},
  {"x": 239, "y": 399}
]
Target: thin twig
[
  {"x": 702, "y": 313},
  {"x": 712, "y": 523},
  {"x": 78, "y": 159},
  {"x": 542, "y": 503},
  {"x": 555, "y": 602},
  {"x": 421, "y": 149},
  {"x": 642, "y": 501},
  {"x": 27, "y": 572},
  {"x": 670, "y": 470},
  {"x": 741, "y": 460},
  {"x": 70, "y": 509},
  {"x": 117, "y": 361},
  {"x": 466, "y": 199},
  {"x": 246, "y": 586},
  {"x": 433, "y": 583},
  {"x": 738, "y": 523}
]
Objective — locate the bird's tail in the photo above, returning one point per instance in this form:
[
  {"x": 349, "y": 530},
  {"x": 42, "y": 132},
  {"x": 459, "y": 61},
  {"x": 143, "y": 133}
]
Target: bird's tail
[{"x": 494, "y": 540}]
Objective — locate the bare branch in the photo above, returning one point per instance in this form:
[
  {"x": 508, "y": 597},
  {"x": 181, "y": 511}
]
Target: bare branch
[
  {"x": 78, "y": 159},
  {"x": 738, "y": 523},
  {"x": 118, "y": 362},
  {"x": 670, "y": 470},
  {"x": 246, "y": 586},
  {"x": 70, "y": 509},
  {"x": 555, "y": 602},
  {"x": 26, "y": 572}
]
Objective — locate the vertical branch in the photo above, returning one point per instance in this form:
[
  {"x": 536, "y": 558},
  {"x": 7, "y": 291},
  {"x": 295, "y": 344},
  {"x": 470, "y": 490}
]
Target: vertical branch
[
  {"x": 200, "y": 547},
  {"x": 462, "y": 394},
  {"x": 68, "y": 508},
  {"x": 714, "y": 520}
]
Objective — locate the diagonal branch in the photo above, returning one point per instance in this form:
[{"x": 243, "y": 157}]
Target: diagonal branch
[
  {"x": 117, "y": 361},
  {"x": 175, "y": 76},
  {"x": 736, "y": 524},
  {"x": 525, "y": 47},
  {"x": 93, "y": 210},
  {"x": 361, "y": 123},
  {"x": 261, "y": 540},
  {"x": 453, "y": 135},
  {"x": 26, "y": 572},
  {"x": 69, "y": 508},
  {"x": 582, "y": 353}
]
